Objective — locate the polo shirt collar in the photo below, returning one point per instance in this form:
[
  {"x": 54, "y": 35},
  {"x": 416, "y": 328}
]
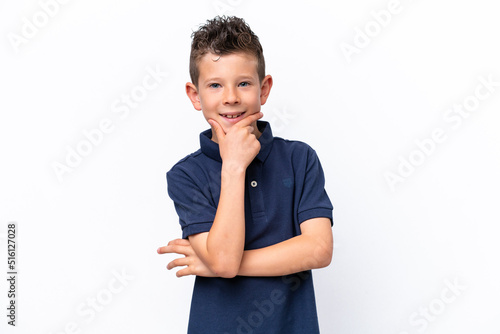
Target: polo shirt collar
[{"x": 211, "y": 148}]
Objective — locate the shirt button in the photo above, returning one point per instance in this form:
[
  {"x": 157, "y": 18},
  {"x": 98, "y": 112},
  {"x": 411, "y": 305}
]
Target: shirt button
[{"x": 253, "y": 184}]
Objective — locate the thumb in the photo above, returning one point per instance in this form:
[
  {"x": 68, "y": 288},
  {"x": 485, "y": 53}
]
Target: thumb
[{"x": 219, "y": 131}]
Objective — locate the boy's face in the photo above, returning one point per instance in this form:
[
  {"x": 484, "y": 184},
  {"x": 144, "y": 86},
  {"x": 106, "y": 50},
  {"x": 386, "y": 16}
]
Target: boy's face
[{"x": 229, "y": 89}]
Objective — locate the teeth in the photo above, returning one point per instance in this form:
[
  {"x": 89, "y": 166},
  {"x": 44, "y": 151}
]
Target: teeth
[{"x": 232, "y": 116}]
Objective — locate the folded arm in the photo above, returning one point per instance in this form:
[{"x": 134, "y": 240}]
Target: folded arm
[{"x": 312, "y": 249}]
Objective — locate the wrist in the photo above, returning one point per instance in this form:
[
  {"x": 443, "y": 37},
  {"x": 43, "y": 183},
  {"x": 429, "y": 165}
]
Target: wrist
[{"x": 233, "y": 169}]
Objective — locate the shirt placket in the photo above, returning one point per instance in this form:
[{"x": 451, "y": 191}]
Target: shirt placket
[{"x": 256, "y": 191}]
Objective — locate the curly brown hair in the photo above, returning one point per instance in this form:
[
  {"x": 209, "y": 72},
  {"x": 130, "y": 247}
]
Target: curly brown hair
[{"x": 224, "y": 35}]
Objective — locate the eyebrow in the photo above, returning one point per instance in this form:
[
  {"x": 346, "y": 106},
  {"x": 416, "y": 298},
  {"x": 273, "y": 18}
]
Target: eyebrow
[
  {"x": 246, "y": 77},
  {"x": 212, "y": 79},
  {"x": 243, "y": 77}
]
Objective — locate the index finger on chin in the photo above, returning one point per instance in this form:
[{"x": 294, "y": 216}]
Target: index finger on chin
[{"x": 250, "y": 119}]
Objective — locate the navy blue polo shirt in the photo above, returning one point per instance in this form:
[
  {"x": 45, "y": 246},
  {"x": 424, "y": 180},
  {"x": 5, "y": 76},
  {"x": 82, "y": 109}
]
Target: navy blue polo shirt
[{"x": 284, "y": 186}]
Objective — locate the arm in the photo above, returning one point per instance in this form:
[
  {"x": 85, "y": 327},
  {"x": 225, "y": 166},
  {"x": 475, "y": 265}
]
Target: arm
[
  {"x": 221, "y": 249},
  {"x": 311, "y": 250}
]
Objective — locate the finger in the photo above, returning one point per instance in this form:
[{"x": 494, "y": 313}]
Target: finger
[
  {"x": 219, "y": 131},
  {"x": 182, "y": 242},
  {"x": 180, "y": 262},
  {"x": 174, "y": 249},
  {"x": 183, "y": 272},
  {"x": 250, "y": 119}
]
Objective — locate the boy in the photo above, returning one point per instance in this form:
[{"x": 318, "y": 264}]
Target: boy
[{"x": 254, "y": 214}]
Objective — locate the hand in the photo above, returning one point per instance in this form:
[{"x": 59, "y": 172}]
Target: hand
[
  {"x": 194, "y": 264},
  {"x": 239, "y": 146}
]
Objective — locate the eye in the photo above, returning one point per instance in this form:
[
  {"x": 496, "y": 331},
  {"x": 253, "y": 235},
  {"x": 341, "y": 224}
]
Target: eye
[
  {"x": 214, "y": 85},
  {"x": 244, "y": 84}
]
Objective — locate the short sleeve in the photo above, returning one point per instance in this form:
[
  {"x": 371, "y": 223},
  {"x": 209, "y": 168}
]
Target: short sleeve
[
  {"x": 192, "y": 200},
  {"x": 314, "y": 201}
]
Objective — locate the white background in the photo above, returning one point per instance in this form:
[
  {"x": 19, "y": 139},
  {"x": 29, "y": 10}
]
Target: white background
[{"x": 395, "y": 247}]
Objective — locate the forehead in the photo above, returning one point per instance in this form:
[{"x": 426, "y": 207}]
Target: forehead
[{"x": 239, "y": 63}]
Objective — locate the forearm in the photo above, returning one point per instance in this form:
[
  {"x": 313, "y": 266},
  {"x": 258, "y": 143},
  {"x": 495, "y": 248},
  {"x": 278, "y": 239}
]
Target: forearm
[
  {"x": 294, "y": 255},
  {"x": 311, "y": 250},
  {"x": 226, "y": 239}
]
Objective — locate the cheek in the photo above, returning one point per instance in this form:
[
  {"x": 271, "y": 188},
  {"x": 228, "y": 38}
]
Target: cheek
[
  {"x": 256, "y": 103},
  {"x": 257, "y": 98},
  {"x": 208, "y": 106}
]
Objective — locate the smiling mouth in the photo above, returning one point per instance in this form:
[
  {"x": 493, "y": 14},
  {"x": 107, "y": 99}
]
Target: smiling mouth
[{"x": 232, "y": 115}]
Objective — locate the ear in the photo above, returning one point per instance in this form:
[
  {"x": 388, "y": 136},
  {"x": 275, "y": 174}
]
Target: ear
[
  {"x": 265, "y": 88},
  {"x": 193, "y": 95}
]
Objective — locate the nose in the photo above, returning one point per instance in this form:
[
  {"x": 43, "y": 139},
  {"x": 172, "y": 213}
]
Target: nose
[{"x": 231, "y": 96}]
